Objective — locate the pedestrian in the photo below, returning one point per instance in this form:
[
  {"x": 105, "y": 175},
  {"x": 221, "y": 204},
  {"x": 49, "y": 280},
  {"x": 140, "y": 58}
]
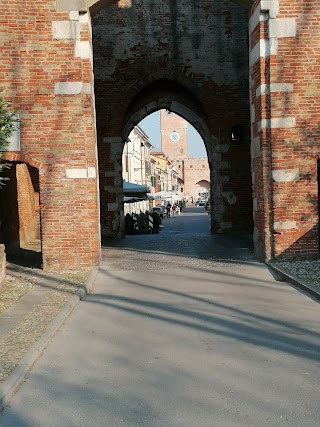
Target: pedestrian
[
  {"x": 168, "y": 209},
  {"x": 129, "y": 224},
  {"x": 174, "y": 208},
  {"x": 178, "y": 210}
]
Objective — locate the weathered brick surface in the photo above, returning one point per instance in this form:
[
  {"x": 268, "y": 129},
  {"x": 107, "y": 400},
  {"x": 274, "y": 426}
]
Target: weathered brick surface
[
  {"x": 47, "y": 73},
  {"x": 286, "y": 187},
  {"x": 186, "y": 57}
]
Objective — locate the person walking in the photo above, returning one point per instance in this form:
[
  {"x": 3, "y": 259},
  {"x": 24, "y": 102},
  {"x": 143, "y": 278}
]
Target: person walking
[
  {"x": 173, "y": 209},
  {"x": 168, "y": 209}
]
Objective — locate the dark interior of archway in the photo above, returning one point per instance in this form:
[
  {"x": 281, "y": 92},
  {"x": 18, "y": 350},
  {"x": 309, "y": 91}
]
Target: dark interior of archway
[
  {"x": 20, "y": 216},
  {"x": 168, "y": 91}
]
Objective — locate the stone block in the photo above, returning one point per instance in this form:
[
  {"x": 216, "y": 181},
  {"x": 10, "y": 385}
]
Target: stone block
[
  {"x": 255, "y": 147},
  {"x": 290, "y": 175},
  {"x": 284, "y": 225},
  {"x": 66, "y": 30},
  {"x": 83, "y": 50},
  {"x": 284, "y": 27},
  {"x": 272, "y": 6},
  {"x": 67, "y": 88},
  {"x": 92, "y": 173},
  {"x": 68, "y": 5},
  {"x": 76, "y": 173},
  {"x": 74, "y": 15}
]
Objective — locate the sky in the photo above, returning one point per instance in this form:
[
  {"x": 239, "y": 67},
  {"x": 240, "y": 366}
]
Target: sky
[{"x": 151, "y": 126}]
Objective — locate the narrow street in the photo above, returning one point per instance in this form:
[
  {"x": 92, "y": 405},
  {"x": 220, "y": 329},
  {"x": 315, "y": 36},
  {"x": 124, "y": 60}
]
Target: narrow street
[{"x": 182, "y": 329}]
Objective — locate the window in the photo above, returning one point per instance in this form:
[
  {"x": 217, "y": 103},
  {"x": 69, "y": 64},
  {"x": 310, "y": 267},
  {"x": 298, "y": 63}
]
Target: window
[
  {"x": 191, "y": 166},
  {"x": 147, "y": 167},
  {"x": 236, "y": 134},
  {"x": 181, "y": 189}
]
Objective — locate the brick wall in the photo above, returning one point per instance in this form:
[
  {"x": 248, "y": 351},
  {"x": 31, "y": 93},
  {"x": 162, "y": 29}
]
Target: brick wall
[
  {"x": 196, "y": 171},
  {"x": 46, "y": 70},
  {"x": 179, "y": 56},
  {"x": 285, "y": 94}
]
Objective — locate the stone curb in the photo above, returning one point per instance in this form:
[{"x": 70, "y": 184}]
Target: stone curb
[
  {"x": 285, "y": 276},
  {"x": 11, "y": 384}
]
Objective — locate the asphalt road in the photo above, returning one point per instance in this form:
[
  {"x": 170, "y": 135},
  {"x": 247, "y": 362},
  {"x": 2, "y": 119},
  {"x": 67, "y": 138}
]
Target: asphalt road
[{"x": 183, "y": 329}]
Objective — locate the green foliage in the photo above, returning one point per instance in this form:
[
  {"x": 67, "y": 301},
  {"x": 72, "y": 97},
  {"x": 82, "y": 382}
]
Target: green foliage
[{"x": 7, "y": 126}]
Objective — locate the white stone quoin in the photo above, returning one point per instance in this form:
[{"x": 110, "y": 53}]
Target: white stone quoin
[
  {"x": 285, "y": 175},
  {"x": 274, "y": 87},
  {"x": 284, "y": 27},
  {"x": 68, "y": 30},
  {"x": 277, "y": 123},
  {"x": 76, "y": 173},
  {"x": 68, "y": 88},
  {"x": 285, "y": 225}
]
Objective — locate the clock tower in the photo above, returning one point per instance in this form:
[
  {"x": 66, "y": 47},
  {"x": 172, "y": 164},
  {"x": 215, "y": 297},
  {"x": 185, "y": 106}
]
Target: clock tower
[{"x": 174, "y": 140}]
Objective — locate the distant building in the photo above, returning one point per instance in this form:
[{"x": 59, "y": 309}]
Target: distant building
[
  {"x": 193, "y": 172},
  {"x": 137, "y": 165},
  {"x": 166, "y": 174}
]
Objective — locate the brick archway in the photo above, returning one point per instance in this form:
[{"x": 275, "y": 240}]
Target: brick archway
[
  {"x": 163, "y": 98},
  {"x": 48, "y": 75},
  {"x": 22, "y": 158},
  {"x": 213, "y": 98},
  {"x": 229, "y": 203}
]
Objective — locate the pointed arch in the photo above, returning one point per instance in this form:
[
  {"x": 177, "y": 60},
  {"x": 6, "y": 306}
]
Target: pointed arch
[{"x": 166, "y": 94}]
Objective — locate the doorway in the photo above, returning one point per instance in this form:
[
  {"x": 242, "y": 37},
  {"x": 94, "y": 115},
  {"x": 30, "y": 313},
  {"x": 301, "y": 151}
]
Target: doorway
[{"x": 20, "y": 215}]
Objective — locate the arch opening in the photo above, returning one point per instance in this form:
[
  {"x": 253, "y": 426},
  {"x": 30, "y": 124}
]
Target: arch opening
[
  {"x": 20, "y": 215},
  {"x": 225, "y": 182},
  {"x": 157, "y": 154},
  {"x": 205, "y": 83}
]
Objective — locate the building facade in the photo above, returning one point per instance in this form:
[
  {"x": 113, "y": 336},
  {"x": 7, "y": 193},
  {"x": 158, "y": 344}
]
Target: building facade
[
  {"x": 193, "y": 172},
  {"x": 166, "y": 174},
  {"x": 137, "y": 166}
]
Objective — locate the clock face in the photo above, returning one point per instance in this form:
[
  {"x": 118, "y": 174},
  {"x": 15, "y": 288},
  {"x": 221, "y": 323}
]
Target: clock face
[{"x": 174, "y": 136}]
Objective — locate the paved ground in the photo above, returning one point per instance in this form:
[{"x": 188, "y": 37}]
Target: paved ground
[
  {"x": 29, "y": 303},
  {"x": 181, "y": 329}
]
